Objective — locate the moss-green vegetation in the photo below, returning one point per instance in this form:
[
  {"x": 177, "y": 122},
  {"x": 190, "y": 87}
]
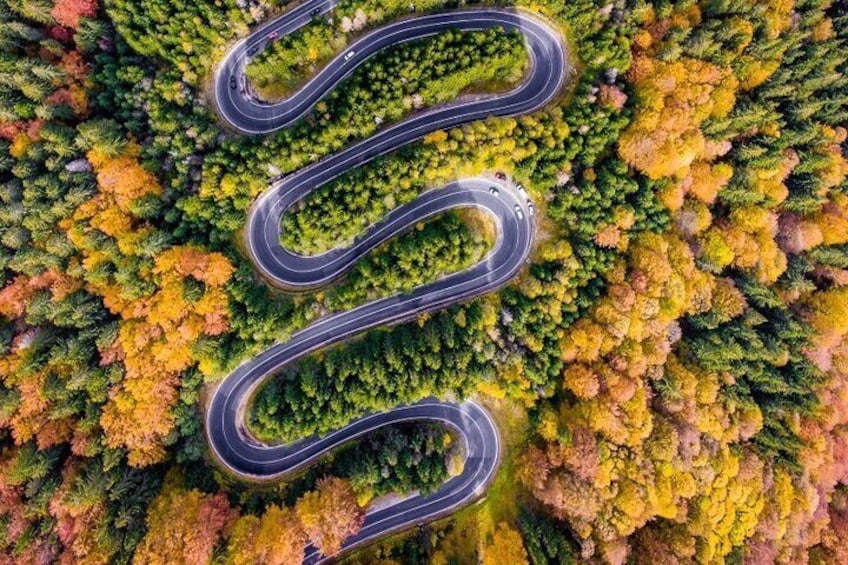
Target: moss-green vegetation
[
  {"x": 433, "y": 249},
  {"x": 383, "y": 369}
]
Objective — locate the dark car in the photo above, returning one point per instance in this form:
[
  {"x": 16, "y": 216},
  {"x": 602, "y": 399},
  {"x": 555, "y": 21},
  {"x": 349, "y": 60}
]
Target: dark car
[
  {"x": 500, "y": 176},
  {"x": 315, "y": 12},
  {"x": 232, "y": 81},
  {"x": 252, "y": 50}
]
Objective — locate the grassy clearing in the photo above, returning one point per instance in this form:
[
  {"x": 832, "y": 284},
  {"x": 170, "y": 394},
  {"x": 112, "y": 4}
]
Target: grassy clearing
[
  {"x": 473, "y": 526},
  {"x": 461, "y": 537}
]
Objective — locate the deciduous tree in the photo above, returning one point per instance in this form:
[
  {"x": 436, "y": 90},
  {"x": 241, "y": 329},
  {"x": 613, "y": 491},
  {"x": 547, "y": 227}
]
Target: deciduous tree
[{"x": 330, "y": 514}]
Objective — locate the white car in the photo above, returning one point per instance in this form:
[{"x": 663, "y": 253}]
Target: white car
[
  {"x": 522, "y": 191},
  {"x": 493, "y": 190},
  {"x": 531, "y": 208},
  {"x": 350, "y": 55},
  {"x": 518, "y": 212}
]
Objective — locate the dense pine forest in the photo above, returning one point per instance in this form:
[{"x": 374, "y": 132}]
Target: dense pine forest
[{"x": 670, "y": 373}]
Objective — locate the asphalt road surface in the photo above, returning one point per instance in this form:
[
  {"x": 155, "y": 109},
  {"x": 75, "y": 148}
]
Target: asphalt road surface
[{"x": 229, "y": 439}]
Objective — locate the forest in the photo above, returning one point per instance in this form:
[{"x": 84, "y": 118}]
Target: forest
[{"x": 669, "y": 373}]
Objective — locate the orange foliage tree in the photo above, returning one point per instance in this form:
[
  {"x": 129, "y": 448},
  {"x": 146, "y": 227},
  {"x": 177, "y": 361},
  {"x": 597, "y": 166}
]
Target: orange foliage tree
[
  {"x": 69, "y": 12},
  {"x": 275, "y": 538},
  {"x": 155, "y": 339},
  {"x": 330, "y": 514},
  {"x": 833, "y": 548},
  {"x": 183, "y": 527}
]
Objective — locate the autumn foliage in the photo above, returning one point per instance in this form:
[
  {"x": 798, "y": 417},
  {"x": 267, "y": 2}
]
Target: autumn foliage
[
  {"x": 275, "y": 538},
  {"x": 330, "y": 514},
  {"x": 69, "y": 12},
  {"x": 154, "y": 341},
  {"x": 32, "y": 417},
  {"x": 506, "y": 547},
  {"x": 666, "y": 137},
  {"x": 79, "y": 521},
  {"x": 615, "y": 352},
  {"x": 158, "y": 328},
  {"x": 183, "y": 527},
  {"x": 657, "y": 450}
]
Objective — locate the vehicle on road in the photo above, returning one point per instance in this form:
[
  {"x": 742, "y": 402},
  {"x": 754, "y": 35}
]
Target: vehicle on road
[
  {"x": 350, "y": 55},
  {"x": 500, "y": 175},
  {"x": 531, "y": 208},
  {"x": 314, "y": 12},
  {"x": 273, "y": 35},
  {"x": 233, "y": 81},
  {"x": 522, "y": 191},
  {"x": 494, "y": 190},
  {"x": 518, "y": 212},
  {"x": 252, "y": 50}
]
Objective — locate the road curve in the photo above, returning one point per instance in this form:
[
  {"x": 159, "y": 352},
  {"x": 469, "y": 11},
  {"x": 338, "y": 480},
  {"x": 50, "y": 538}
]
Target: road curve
[{"x": 229, "y": 439}]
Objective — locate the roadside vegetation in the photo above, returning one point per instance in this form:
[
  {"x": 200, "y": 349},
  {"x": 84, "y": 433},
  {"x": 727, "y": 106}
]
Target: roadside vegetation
[
  {"x": 413, "y": 76},
  {"x": 290, "y": 61},
  {"x": 433, "y": 249},
  {"x": 421, "y": 74}
]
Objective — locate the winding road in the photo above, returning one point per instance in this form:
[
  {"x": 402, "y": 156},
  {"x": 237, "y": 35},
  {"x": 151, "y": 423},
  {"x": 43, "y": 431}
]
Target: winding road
[{"x": 229, "y": 439}]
